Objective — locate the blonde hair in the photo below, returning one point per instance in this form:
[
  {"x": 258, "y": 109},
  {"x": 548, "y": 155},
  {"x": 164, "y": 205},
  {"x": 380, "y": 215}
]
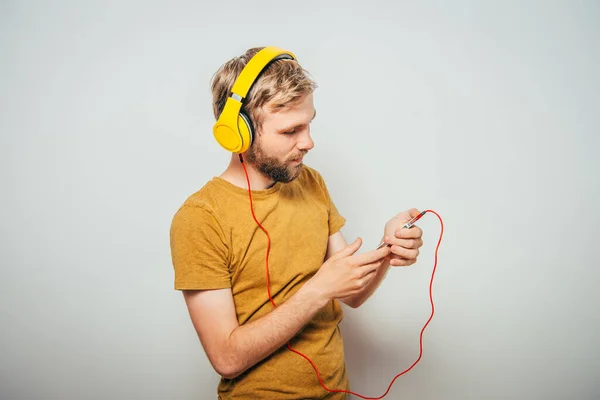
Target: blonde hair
[{"x": 282, "y": 84}]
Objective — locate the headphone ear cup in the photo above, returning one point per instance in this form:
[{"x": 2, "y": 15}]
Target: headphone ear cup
[{"x": 246, "y": 131}]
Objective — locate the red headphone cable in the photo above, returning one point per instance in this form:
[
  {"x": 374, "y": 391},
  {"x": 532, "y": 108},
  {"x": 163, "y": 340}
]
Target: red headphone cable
[{"x": 308, "y": 359}]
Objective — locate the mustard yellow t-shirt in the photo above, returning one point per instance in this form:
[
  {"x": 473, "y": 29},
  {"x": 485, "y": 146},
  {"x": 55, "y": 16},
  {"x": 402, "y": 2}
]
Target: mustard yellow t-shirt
[{"x": 215, "y": 243}]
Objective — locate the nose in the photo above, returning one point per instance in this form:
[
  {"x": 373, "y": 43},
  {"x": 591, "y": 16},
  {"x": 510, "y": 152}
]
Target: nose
[{"x": 305, "y": 142}]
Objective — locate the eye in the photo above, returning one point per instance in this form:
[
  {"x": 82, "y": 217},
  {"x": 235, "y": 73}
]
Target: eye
[{"x": 290, "y": 132}]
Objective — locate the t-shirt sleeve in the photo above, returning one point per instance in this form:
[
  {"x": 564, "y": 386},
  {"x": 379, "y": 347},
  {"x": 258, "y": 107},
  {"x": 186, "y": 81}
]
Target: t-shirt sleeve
[
  {"x": 199, "y": 250},
  {"x": 336, "y": 220}
]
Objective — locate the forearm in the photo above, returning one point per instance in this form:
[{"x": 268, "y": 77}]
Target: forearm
[{"x": 254, "y": 341}]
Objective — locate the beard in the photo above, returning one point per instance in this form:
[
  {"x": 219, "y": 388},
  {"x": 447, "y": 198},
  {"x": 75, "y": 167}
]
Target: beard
[{"x": 271, "y": 167}]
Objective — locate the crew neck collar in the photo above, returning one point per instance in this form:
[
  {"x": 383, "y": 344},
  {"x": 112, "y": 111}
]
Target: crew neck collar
[{"x": 244, "y": 191}]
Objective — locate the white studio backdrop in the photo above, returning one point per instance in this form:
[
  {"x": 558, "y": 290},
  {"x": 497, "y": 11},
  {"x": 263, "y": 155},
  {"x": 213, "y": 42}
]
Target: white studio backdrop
[{"x": 486, "y": 112}]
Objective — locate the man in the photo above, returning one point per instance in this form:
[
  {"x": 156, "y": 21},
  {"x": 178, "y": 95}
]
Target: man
[{"x": 220, "y": 252}]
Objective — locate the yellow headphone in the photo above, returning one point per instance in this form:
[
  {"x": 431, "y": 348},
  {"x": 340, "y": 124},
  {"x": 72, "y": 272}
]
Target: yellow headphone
[{"x": 233, "y": 130}]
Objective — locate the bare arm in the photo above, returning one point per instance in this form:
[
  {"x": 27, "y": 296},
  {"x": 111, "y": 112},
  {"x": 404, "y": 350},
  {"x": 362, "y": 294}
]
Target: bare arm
[{"x": 232, "y": 348}]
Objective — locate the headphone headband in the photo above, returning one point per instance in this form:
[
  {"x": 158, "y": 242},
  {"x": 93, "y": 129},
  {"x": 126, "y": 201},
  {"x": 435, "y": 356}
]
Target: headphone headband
[
  {"x": 255, "y": 66},
  {"x": 233, "y": 129}
]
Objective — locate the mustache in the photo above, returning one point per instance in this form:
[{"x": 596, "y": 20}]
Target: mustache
[{"x": 297, "y": 156}]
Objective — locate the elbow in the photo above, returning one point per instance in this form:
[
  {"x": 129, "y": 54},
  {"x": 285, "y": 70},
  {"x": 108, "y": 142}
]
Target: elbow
[
  {"x": 228, "y": 371},
  {"x": 225, "y": 360},
  {"x": 227, "y": 367},
  {"x": 352, "y": 303}
]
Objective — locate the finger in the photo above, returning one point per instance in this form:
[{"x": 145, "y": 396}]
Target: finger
[
  {"x": 365, "y": 270},
  {"x": 405, "y": 253},
  {"x": 401, "y": 262},
  {"x": 369, "y": 277},
  {"x": 360, "y": 284},
  {"x": 406, "y": 243},
  {"x": 411, "y": 233},
  {"x": 413, "y": 212},
  {"x": 348, "y": 250},
  {"x": 371, "y": 256}
]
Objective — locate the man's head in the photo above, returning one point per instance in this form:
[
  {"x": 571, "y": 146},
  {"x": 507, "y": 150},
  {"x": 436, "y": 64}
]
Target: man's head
[{"x": 280, "y": 107}]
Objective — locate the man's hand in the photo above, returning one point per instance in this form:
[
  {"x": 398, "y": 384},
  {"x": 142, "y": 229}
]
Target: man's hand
[
  {"x": 405, "y": 242},
  {"x": 346, "y": 273}
]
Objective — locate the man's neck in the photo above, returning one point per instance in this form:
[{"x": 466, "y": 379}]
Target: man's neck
[{"x": 235, "y": 175}]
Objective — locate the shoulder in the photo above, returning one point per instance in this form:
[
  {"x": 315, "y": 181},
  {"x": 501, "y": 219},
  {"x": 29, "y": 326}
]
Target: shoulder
[{"x": 198, "y": 209}]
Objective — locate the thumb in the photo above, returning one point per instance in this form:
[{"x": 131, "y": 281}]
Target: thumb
[
  {"x": 349, "y": 249},
  {"x": 413, "y": 212}
]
